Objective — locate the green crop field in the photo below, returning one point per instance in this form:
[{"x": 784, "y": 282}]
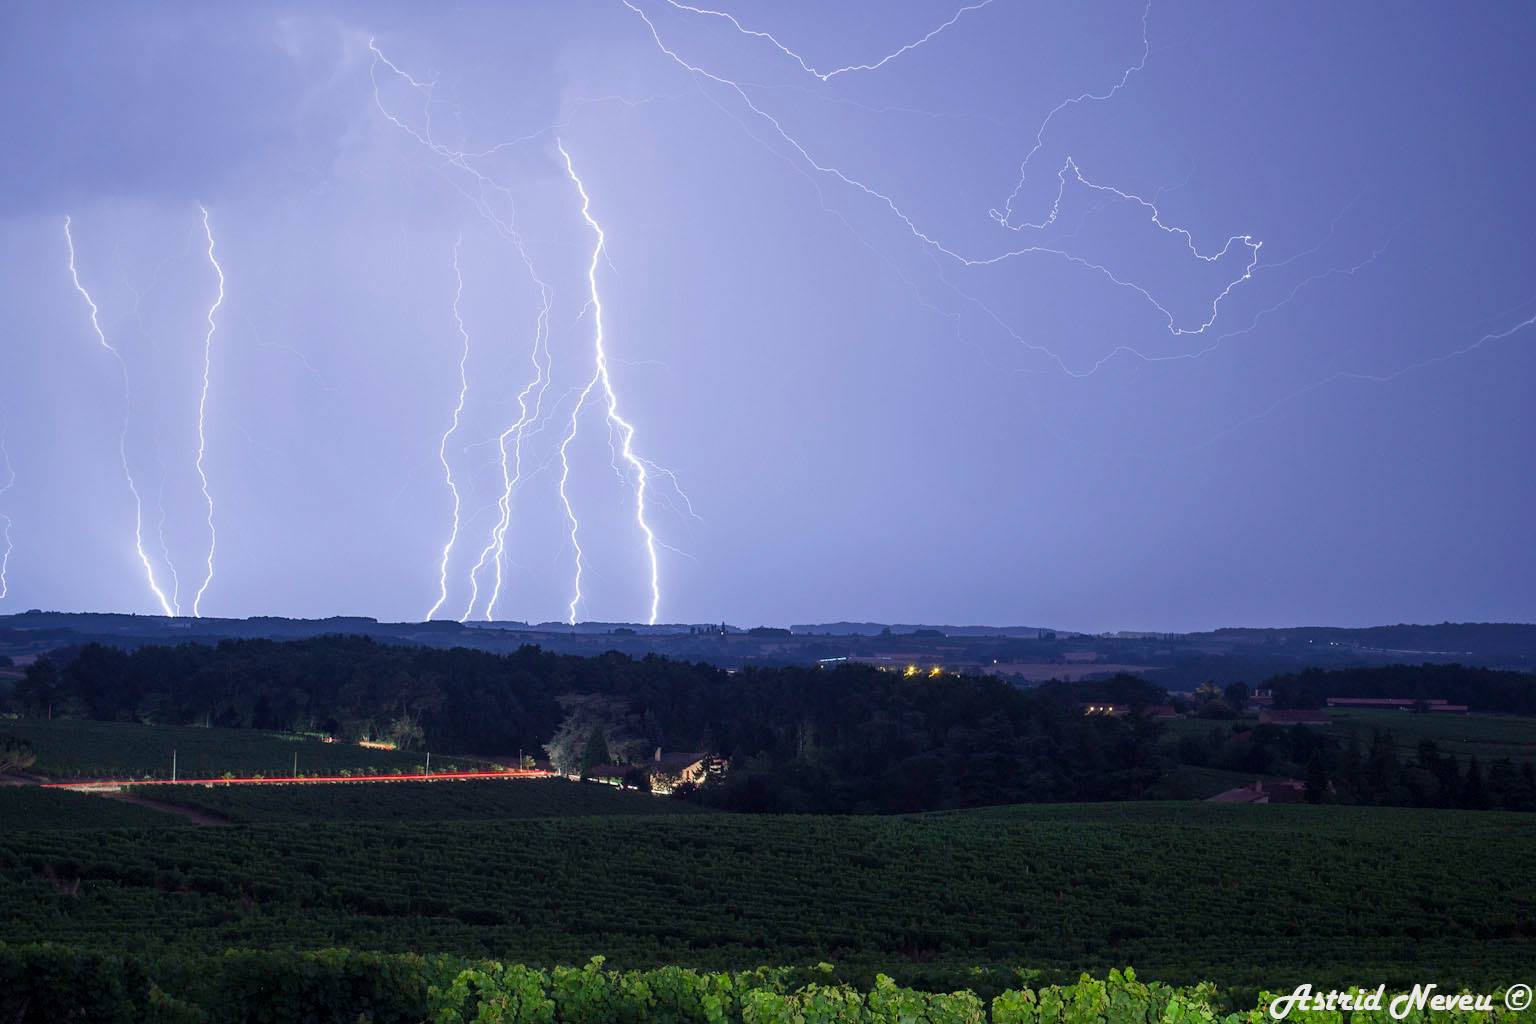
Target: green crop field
[
  {"x": 1253, "y": 896},
  {"x": 28, "y": 807},
  {"x": 72, "y": 748},
  {"x": 482, "y": 800}
]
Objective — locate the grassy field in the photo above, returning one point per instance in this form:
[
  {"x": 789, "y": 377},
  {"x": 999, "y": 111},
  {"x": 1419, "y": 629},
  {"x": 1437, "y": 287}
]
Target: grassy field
[
  {"x": 69, "y": 748},
  {"x": 28, "y": 807},
  {"x": 1488, "y": 737},
  {"x": 1270, "y": 895},
  {"x": 415, "y": 801},
  {"x": 1175, "y": 729}
]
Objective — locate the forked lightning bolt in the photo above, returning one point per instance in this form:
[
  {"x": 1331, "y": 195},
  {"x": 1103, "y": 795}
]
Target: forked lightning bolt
[
  {"x": 827, "y": 76},
  {"x": 930, "y": 240},
  {"x": 512, "y": 437},
  {"x": 202, "y": 416},
  {"x": 165, "y": 546},
  {"x": 122, "y": 437},
  {"x": 625, "y": 429},
  {"x": 1004, "y": 215},
  {"x": 530, "y": 399},
  {"x": 453, "y": 428},
  {"x": 511, "y": 475}
]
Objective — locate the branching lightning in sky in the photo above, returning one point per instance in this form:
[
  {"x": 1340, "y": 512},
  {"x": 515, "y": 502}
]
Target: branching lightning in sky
[
  {"x": 626, "y": 429},
  {"x": 7, "y": 481},
  {"x": 1005, "y": 215},
  {"x": 510, "y": 441},
  {"x": 122, "y": 438},
  {"x": 530, "y": 399},
  {"x": 1173, "y": 273},
  {"x": 202, "y": 416},
  {"x": 453, "y": 428},
  {"x": 1069, "y": 173},
  {"x": 572, "y": 523},
  {"x": 512, "y": 469},
  {"x": 827, "y": 76},
  {"x": 932, "y": 241}
]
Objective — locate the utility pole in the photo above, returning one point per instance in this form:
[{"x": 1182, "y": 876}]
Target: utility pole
[
  {"x": 173, "y": 764},
  {"x": 295, "y": 764},
  {"x": 429, "y": 763}
]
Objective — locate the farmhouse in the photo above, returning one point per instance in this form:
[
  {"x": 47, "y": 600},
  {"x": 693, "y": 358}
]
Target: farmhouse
[
  {"x": 664, "y": 772},
  {"x": 1399, "y": 703},
  {"x": 668, "y": 771},
  {"x": 1280, "y": 791}
]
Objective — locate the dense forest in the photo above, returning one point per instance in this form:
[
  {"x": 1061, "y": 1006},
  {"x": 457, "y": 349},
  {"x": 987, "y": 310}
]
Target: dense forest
[{"x": 799, "y": 739}]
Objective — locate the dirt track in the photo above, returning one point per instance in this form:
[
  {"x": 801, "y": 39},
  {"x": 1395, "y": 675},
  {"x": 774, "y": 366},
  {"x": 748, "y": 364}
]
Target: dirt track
[{"x": 196, "y": 817}]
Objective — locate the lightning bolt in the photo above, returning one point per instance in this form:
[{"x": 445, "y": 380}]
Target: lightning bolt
[
  {"x": 512, "y": 472},
  {"x": 1003, "y": 216},
  {"x": 453, "y": 427},
  {"x": 122, "y": 438},
  {"x": 827, "y": 76},
  {"x": 530, "y": 397},
  {"x": 165, "y": 547},
  {"x": 931, "y": 241},
  {"x": 202, "y": 416},
  {"x": 5, "y": 520},
  {"x": 625, "y": 429},
  {"x": 565, "y": 500}
]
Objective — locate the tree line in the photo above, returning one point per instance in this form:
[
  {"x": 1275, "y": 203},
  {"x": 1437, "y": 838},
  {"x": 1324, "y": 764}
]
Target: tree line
[{"x": 798, "y": 739}]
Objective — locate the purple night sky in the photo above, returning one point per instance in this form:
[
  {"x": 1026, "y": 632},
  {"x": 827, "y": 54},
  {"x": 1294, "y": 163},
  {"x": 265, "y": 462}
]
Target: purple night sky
[{"x": 964, "y": 335}]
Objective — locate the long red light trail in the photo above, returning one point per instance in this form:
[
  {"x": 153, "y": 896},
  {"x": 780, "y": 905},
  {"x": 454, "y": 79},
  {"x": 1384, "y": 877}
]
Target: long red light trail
[{"x": 524, "y": 773}]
